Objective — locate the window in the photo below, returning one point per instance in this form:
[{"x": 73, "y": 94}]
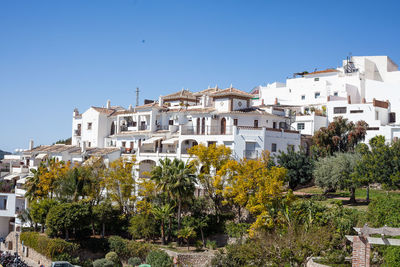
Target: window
[
  {"x": 300, "y": 126},
  {"x": 89, "y": 126},
  {"x": 303, "y": 97},
  {"x": 290, "y": 147},
  {"x": 89, "y": 144},
  {"x": 339, "y": 110},
  {"x": 335, "y": 93},
  {"x": 317, "y": 94},
  {"x": 273, "y": 147},
  {"x": 235, "y": 122},
  {"x": 274, "y": 124},
  {"x": 282, "y": 125},
  {"x": 171, "y": 122},
  {"x": 3, "y": 202},
  {"x": 316, "y": 79},
  {"x": 357, "y": 111},
  {"x": 123, "y": 144},
  {"x": 256, "y": 123},
  {"x": 376, "y": 115},
  {"x": 392, "y": 117}
]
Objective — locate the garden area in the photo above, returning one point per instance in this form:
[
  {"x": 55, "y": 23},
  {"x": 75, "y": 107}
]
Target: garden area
[{"x": 269, "y": 211}]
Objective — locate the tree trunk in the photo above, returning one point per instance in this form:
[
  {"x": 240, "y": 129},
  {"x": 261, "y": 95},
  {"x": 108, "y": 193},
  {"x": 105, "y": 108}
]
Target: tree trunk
[
  {"x": 66, "y": 235},
  {"x": 93, "y": 230},
  {"x": 169, "y": 229},
  {"x": 367, "y": 193},
  {"x": 103, "y": 232},
  {"x": 179, "y": 219},
  {"x": 163, "y": 232},
  {"x": 202, "y": 236},
  {"x": 42, "y": 228},
  {"x": 352, "y": 195}
]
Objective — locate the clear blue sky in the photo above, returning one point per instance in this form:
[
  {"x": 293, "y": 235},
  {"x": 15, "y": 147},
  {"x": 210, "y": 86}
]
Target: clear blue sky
[{"x": 58, "y": 55}]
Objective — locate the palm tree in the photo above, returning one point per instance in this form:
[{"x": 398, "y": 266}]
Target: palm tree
[
  {"x": 177, "y": 179},
  {"x": 163, "y": 214}
]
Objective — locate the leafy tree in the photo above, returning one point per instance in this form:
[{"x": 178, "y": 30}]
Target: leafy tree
[
  {"x": 177, "y": 179},
  {"x": 236, "y": 230},
  {"x": 120, "y": 184},
  {"x": 210, "y": 160},
  {"x": 187, "y": 233},
  {"x": 56, "y": 170},
  {"x": 104, "y": 214},
  {"x": 40, "y": 209},
  {"x": 253, "y": 185},
  {"x": 163, "y": 214},
  {"x": 299, "y": 167},
  {"x": 142, "y": 226},
  {"x": 66, "y": 218},
  {"x": 340, "y": 136},
  {"x": 335, "y": 172}
]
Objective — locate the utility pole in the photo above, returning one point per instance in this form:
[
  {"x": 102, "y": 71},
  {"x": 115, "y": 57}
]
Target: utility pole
[{"x": 137, "y": 96}]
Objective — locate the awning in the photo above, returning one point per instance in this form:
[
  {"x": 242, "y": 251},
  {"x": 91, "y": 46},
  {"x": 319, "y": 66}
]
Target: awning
[
  {"x": 170, "y": 141},
  {"x": 152, "y": 140},
  {"x": 21, "y": 181},
  {"x": 41, "y": 156},
  {"x": 11, "y": 176}
]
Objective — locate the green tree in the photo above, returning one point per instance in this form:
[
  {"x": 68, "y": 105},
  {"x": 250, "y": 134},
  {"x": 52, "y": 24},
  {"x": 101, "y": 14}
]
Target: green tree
[
  {"x": 40, "y": 209},
  {"x": 104, "y": 213},
  {"x": 163, "y": 214},
  {"x": 299, "y": 167},
  {"x": 142, "y": 226},
  {"x": 177, "y": 179},
  {"x": 335, "y": 172},
  {"x": 187, "y": 233},
  {"x": 68, "y": 218},
  {"x": 340, "y": 136}
]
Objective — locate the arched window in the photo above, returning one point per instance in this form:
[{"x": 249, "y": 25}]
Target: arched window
[{"x": 223, "y": 126}]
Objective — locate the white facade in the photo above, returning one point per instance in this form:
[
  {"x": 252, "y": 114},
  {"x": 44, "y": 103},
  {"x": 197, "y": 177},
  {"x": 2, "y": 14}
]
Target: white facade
[
  {"x": 363, "y": 88},
  {"x": 169, "y": 127}
]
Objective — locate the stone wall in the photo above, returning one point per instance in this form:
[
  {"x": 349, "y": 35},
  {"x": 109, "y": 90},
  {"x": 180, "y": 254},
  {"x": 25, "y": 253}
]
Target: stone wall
[
  {"x": 200, "y": 259},
  {"x": 30, "y": 256}
]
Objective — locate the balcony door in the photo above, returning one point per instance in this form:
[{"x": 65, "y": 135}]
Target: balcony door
[
  {"x": 223, "y": 126},
  {"x": 198, "y": 126}
]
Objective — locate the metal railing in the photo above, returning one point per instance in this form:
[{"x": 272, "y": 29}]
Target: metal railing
[{"x": 209, "y": 130}]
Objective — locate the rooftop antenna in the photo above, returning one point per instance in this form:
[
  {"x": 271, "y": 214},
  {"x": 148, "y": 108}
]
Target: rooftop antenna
[{"x": 137, "y": 96}]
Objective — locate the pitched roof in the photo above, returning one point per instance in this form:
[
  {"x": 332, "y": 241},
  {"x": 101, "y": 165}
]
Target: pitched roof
[
  {"x": 181, "y": 95},
  {"x": 322, "y": 72},
  {"x": 57, "y": 148},
  {"x": 207, "y": 91},
  {"x": 231, "y": 92},
  {"x": 109, "y": 111}
]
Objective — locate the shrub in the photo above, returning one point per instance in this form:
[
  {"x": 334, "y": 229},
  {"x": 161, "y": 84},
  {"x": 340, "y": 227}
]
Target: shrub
[
  {"x": 211, "y": 244},
  {"x": 49, "y": 247},
  {"x": 199, "y": 245},
  {"x": 112, "y": 256},
  {"x": 134, "y": 261},
  {"x": 158, "y": 258},
  {"x": 142, "y": 226},
  {"x": 119, "y": 246},
  {"x": 384, "y": 211},
  {"x": 139, "y": 249},
  {"x": 103, "y": 263},
  {"x": 391, "y": 256},
  {"x": 95, "y": 244}
]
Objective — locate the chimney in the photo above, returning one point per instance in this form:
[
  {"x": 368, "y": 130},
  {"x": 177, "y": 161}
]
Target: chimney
[
  {"x": 30, "y": 144},
  {"x": 108, "y": 104},
  {"x": 276, "y": 101},
  {"x": 130, "y": 108},
  {"x": 76, "y": 112},
  {"x": 83, "y": 148},
  {"x": 160, "y": 101},
  {"x": 349, "y": 99},
  {"x": 363, "y": 100}
]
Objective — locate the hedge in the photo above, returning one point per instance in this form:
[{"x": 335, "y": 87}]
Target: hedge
[{"x": 50, "y": 247}]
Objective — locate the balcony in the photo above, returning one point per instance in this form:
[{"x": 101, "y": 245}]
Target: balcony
[
  {"x": 250, "y": 154},
  {"x": 209, "y": 130},
  {"x": 162, "y": 127}
]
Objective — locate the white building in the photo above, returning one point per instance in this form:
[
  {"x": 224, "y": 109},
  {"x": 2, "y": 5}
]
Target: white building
[
  {"x": 363, "y": 88},
  {"x": 176, "y": 122}
]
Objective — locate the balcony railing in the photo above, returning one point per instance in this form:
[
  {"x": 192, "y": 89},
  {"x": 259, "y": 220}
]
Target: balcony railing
[
  {"x": 209, "y": 130},
  {"x": 250, "y": 154},
  {"x": 162, "y": 127}
]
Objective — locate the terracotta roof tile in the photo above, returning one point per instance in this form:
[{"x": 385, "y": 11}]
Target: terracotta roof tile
[
  {"x": 183, "y": 94},
  {"x": 231, "y": 92},
  {"x": 322, "y": 71}
]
